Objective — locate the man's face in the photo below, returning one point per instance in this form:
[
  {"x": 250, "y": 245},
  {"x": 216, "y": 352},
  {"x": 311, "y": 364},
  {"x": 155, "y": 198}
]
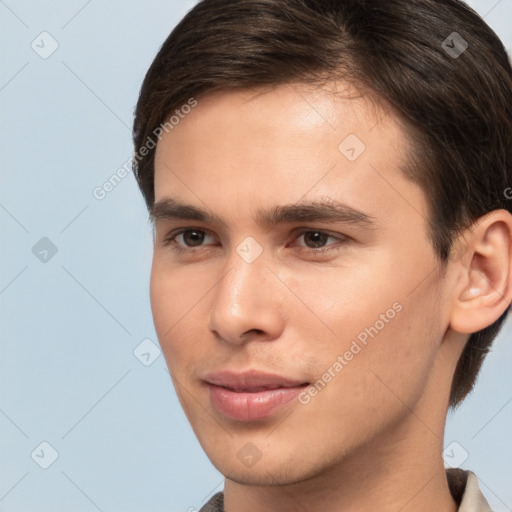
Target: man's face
[{"x": 349, "y": 310}]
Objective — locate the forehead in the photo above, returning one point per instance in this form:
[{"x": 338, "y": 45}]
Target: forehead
[
  {"x": 277, "y": 145},
  {"x": 289, "y": 114}
]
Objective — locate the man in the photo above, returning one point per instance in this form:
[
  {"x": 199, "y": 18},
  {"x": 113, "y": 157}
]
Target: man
[{"x": 333, "y": 242}]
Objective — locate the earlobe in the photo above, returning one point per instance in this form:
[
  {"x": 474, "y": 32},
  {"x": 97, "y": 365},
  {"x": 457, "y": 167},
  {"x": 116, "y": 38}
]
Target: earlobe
[{"x": 486, "y": 274}]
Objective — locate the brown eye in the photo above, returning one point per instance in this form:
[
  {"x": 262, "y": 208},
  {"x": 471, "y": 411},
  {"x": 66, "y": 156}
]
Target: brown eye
[
  {"x": 193, "y": 237},
  {"x": 315, "y": 242},
  {"x": 317, "y": 238},
  {"x": 189, "y": 238}
]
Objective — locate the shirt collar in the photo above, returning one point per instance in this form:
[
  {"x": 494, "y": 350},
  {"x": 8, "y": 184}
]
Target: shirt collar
[{"x": 466, "y": 492}]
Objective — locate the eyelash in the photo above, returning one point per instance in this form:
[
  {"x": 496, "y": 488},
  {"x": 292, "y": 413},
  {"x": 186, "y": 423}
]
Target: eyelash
[{"x": 170, "y": 241}]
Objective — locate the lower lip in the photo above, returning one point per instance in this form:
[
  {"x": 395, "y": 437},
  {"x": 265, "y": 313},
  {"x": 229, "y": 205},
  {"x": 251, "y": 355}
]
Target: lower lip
[{"x": 251, "y": 406}]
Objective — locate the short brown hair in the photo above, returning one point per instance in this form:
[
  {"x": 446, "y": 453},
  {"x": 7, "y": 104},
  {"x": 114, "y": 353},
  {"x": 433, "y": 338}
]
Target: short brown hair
[{"x": 456, "y": 100}]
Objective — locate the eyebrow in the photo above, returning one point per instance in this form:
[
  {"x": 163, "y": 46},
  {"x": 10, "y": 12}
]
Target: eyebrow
[{"x": 311, "y": 211}]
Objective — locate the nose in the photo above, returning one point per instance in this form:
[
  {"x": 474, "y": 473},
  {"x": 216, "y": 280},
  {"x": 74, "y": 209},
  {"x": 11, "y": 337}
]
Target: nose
[{"x": 246, "y": 304}]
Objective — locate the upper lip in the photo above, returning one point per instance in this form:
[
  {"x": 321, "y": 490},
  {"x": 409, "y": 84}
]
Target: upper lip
[{"x": 251, "y": 380}]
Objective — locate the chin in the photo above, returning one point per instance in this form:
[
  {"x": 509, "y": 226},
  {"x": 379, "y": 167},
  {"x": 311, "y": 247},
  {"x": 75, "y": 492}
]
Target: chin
[
  {"x": 265, "y": 475},
  {"x": 273, "y": 467}
]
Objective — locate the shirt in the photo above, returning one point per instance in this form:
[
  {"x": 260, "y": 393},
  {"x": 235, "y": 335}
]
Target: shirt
[{"x": 463, "y": 487}]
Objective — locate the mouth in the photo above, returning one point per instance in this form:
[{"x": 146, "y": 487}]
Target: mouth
[
  {"x": 256, "y": 389},
  {"x": 251, "y": 395},
  {"x": 251, "y": 380}
]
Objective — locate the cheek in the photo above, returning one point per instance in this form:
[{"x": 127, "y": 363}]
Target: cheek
[
  {"x": 172, "y": 303},
  {"x": 386, "y": 336},
  {"x": 175, "y": 293},
  {"x": 163, "y": 306},
  {"x": 340, "y": 301}
]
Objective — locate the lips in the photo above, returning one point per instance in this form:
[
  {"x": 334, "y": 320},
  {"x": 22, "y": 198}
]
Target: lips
[
  {"x": 251, "y": 380},
  {"x": 251, "y": 395}
]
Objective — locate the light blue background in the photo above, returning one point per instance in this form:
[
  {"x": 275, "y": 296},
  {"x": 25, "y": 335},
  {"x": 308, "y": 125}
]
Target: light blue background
[{"x": 69, "y": 326}]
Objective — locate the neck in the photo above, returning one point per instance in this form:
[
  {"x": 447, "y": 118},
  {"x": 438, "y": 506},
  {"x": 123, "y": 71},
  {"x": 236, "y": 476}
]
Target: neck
[{"x": 386, "y": 479}]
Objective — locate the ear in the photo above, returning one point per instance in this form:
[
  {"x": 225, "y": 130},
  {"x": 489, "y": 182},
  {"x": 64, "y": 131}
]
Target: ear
[{"x": 483, "y": 271}]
